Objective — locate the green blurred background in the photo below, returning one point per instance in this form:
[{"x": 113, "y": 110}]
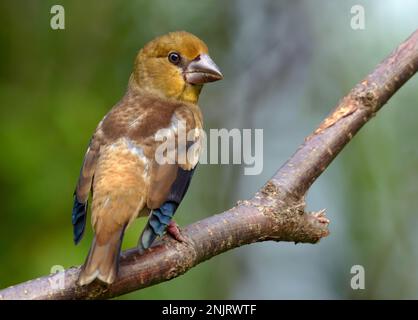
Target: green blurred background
[{"x": 286, "y": 64}]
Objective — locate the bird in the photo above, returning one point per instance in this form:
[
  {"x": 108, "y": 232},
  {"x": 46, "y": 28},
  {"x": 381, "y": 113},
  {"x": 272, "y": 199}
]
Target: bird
[{"x": 120, "y": 168}]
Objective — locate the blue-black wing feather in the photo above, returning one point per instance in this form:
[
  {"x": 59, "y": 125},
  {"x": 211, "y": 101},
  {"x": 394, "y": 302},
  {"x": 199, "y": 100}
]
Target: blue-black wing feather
[
  {"x": 79, "y": 216},
  {"x": 160, "y": 218}
]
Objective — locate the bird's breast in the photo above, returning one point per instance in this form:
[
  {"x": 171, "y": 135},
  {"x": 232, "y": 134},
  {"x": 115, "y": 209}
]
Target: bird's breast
[{"x": 122, "y": 168}]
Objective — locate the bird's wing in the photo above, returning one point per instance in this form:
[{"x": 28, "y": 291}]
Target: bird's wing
[
  {"x": 84, "y": 184},
  {"x": 108, "y": 130},
  {"x": 169, "y": 183},
  {"x": 167, "y": 179}
]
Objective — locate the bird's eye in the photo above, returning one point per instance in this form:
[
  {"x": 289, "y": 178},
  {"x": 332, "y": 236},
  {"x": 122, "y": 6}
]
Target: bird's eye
[{"x": 174, "y": 57}]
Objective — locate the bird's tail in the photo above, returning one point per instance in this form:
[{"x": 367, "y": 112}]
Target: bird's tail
[{"x": 103, "y": 260}]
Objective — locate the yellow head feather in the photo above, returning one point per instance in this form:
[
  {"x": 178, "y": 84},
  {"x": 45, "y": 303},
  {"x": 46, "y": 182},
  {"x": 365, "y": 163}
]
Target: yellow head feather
[{"x": 155, "y": 73}]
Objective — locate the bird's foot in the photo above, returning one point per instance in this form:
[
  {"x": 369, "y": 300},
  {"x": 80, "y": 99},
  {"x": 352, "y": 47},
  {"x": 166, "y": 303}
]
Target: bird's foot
[
  {"x": 320, "y": 217},
  {"x": 174, "y": 231}
]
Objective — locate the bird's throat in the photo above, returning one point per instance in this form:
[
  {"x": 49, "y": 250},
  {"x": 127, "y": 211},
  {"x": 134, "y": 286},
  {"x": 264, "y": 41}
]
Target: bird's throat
[
  {"x": 191, "y": 93},
  {"x": 188, "y": 93}
]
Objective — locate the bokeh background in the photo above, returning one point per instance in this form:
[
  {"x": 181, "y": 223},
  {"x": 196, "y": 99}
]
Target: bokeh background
[{"x": 286, "y": 64}]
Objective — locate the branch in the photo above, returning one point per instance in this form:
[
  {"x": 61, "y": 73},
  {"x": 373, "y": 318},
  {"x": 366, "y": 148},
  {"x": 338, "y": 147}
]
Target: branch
[{"x": 276, "y": 212}]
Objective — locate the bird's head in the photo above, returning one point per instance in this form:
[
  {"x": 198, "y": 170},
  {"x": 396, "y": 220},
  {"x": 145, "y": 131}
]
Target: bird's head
[{"x": 175, "y": 65}]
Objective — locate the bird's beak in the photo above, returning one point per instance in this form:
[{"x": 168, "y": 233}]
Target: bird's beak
[{"x": 202, "y": 70}]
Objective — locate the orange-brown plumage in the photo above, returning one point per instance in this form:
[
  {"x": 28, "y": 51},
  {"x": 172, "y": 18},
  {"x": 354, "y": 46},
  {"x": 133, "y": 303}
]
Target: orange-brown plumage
[{"x": 120, "y": 167}]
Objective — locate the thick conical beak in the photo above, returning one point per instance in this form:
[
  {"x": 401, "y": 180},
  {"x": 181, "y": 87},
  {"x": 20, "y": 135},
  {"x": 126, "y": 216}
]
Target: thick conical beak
[{"x": 202, "y": 70}]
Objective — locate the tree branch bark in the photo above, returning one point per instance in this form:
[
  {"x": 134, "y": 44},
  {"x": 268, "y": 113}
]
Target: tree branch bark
[{"x": 276, "y": 212}]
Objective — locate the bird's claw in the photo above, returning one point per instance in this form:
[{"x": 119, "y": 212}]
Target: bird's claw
[
  {"x": 320, "y": 217},
  {"x": 174, "y": 231}
]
